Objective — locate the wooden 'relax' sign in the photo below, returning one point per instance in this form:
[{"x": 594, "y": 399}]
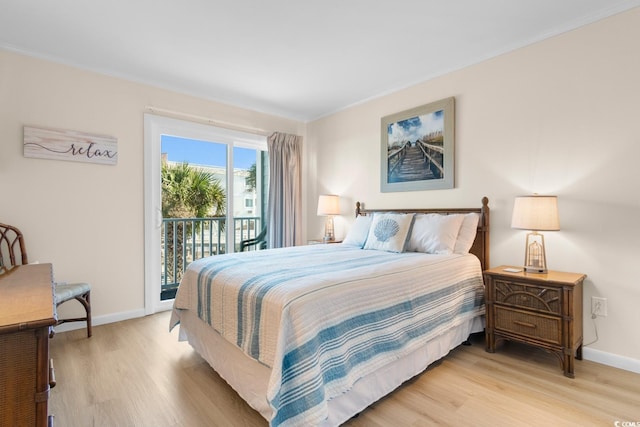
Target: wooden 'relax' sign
[{"x": 70, "y": 145}]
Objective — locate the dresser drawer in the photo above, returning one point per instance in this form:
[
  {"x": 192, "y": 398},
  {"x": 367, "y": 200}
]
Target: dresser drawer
[
  {"x": 545, "y": 328},
  {"x": 518, "y": 294},
  {"x": 18, "y": 368}
]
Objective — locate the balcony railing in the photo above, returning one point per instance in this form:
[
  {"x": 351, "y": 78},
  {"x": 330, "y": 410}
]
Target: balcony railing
[{"x": 185, "y": 240}]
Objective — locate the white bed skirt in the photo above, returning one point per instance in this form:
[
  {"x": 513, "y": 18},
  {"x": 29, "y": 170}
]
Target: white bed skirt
[{"x": 250, "y": 378}]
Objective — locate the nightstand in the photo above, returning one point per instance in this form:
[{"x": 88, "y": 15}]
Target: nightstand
[{"x": 543, "y": 310}]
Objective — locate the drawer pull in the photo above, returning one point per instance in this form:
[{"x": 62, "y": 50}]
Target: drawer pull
[
  {"x": 525, "y": 324},
  {"x": 52, "y": 374}
]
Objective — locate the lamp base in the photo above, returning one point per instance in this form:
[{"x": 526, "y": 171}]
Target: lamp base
[
  {"x": 329, "y": 236},
  {"x": 537, "y": 270},
  {"x": 535, "y": 258}
]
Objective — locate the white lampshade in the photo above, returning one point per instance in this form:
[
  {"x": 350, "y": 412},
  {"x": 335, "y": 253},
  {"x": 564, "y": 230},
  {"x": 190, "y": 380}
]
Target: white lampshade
[
  {"x": 539, "y": 213},
  {"x": 328, "y": 204}
]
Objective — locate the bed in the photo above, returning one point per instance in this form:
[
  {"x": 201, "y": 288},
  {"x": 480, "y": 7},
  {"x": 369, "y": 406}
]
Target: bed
[{"x": 312, "y": 335}]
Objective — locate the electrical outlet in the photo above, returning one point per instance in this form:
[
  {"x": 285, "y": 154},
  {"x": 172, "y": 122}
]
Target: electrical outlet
[{"x": 598, "y": 306}]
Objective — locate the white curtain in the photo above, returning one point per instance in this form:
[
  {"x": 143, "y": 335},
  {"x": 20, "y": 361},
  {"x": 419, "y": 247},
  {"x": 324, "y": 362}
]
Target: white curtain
[{"x": 285, "y": 190}]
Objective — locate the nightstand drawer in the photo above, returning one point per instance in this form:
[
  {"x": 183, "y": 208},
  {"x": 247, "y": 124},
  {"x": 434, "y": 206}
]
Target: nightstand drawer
[
  {"x": 526, "y": 295},
  {"x": 540, "y": 327}
]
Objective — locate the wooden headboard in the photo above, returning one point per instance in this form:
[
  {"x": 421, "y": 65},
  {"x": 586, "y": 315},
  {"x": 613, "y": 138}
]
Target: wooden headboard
[{"x": 480, "y": 246}]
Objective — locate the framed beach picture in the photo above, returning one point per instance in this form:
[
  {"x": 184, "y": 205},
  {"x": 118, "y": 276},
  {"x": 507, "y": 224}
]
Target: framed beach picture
[{"x": 417, "y": 148}]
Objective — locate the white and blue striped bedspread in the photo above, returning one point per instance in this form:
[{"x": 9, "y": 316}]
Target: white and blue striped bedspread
[{"x": 323, "y": 316}]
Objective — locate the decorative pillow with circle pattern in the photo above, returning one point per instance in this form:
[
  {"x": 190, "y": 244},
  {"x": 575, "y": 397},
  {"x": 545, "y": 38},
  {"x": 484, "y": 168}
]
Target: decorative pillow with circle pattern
[{"x": 388, "y": 232}]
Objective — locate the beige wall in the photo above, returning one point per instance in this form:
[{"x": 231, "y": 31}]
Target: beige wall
[
  {"x": 87, "y": 219},
  {"x": 558, "y": 117}
]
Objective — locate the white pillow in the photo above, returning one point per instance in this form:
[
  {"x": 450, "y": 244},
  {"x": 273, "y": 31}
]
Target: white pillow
[
  {"x": 467, "y": 233},
  {"x": 357, "y": 234},
  {"x": 435, "y": 233},
  {"x": 388, "y": 232}
]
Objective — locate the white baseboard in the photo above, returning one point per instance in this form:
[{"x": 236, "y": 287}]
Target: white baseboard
[
  {"x": 101, "y": 320},
  {"x": 610, "y": 359}
]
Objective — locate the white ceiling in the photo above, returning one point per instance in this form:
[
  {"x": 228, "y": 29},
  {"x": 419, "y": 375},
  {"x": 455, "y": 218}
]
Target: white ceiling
[{"x": 301, "y": 59}]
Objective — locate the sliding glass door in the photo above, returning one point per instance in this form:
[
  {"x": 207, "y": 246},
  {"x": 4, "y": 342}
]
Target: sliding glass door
[{"x": 205, "y": 193}]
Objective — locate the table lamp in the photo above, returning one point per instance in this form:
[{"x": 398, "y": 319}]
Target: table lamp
[
  {"x": 535, "y": 213},
  {"x": 328, "y": 205}
]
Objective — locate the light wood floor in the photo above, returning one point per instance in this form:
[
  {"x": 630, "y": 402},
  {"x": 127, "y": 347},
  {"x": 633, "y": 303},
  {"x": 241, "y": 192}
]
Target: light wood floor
[{"x": 136, "y": 373}]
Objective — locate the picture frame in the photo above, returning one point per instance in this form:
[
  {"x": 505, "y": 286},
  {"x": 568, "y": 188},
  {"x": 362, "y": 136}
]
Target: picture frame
[{"x": 417, "y": 148}]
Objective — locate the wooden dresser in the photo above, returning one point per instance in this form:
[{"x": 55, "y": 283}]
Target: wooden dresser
[
  {"x": 27, "y": 314},
  {"x": 544, "y": 310}
]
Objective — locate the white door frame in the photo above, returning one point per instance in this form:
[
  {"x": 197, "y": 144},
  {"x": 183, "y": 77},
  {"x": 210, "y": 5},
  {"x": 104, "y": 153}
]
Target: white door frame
[{"x": 154, "y": 127}]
